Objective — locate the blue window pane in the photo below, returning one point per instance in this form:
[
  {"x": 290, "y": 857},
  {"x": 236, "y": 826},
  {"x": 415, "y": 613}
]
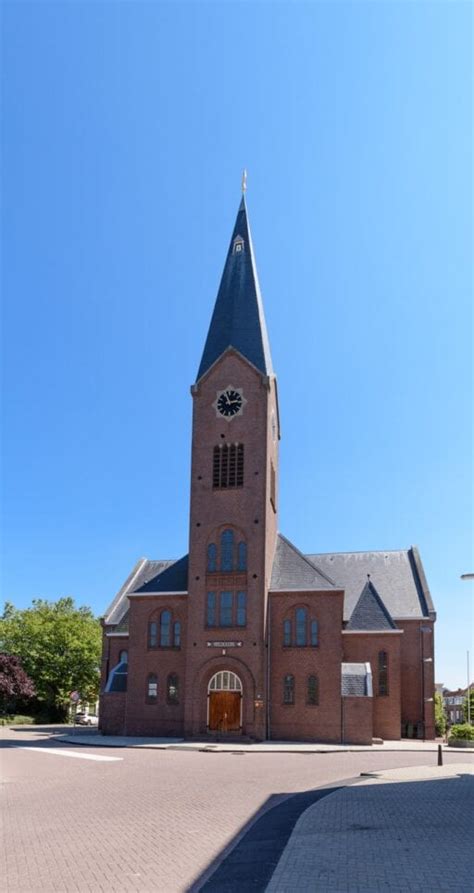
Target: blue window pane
[
  {"x": 242, "y": 557},
  {"x": 287, "y": 633},
  {"x": 225, "y": 615},
  {"x": 227, "y": 550},
  {"x": 212, "y": 557},
  {"x": 301, "y": 626},
  {"x": 165, "y": 629},
  {"x": 177, "y": 634},
  {"x": 241, "y": 609},
  {"x": 211, "y": 609},
  {"x": 153, "y": 634},
  {"x": 314, "y": 632}
]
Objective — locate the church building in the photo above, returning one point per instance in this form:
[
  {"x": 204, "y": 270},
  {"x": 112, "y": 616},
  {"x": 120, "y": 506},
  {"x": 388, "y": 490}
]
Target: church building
[{"x": 245, "y": 636}]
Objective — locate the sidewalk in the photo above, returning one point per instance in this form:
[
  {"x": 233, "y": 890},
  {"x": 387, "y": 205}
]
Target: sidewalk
[
  {"x": 96, "y": 739},
  {"x": 390, "y": 831}
]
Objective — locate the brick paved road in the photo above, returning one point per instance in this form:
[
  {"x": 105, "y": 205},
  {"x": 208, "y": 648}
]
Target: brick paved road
[
  {"x": 151, "y": 821},
  {"x": 389, "y": 836}
]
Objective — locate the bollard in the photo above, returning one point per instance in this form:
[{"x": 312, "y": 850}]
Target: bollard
[{"x": 440, "y": 754}]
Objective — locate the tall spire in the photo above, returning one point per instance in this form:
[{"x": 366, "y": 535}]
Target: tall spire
[{"x": 238, "y": 320}]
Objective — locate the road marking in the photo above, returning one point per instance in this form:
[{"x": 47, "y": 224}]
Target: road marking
[{"x": 69, "y": 753}]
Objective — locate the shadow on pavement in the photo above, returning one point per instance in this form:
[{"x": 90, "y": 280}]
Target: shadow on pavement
[
  {"x": 40, "y": 734},
  {"x": 363, "y": 836},
  {"x": 250, "y": 863}
]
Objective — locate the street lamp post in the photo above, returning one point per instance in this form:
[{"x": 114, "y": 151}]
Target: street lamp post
[{"x": 468, "y": 577}]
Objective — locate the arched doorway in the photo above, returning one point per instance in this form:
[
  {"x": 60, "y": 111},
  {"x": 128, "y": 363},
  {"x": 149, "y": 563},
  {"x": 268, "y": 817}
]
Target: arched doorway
[{"x": 224, "y": 703}]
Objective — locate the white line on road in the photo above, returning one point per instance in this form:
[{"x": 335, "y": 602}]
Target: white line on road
[{"x": 68, "y": 753}]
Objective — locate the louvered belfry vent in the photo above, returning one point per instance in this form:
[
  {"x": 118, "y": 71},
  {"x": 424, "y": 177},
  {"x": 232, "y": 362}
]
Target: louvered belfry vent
[{"x": 228, "y": 466}]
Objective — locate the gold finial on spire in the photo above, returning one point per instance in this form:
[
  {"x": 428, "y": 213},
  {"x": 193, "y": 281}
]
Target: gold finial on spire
[{"x": 244, "y": 181}]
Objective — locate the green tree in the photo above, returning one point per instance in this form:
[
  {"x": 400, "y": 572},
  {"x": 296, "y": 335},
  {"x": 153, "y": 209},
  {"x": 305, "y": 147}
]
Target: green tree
[
  {"x": 440, "y": 716},
  {"x": 466, "y": 712},
  {"x": 59, "y": 646}
]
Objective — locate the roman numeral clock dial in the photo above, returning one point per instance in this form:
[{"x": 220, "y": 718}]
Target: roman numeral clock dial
[{"x": 229, "y": 403}]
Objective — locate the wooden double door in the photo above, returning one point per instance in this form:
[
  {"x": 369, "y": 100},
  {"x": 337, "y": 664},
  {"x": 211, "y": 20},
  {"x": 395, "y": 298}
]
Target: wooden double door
[{"x": 224, "y": 711}]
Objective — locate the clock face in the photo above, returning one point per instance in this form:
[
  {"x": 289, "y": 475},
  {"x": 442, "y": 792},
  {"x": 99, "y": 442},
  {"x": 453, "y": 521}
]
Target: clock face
[{"x": 229, "y": 402}]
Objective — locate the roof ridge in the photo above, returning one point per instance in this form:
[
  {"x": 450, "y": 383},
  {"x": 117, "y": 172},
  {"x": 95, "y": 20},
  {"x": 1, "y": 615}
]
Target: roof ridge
[
  {"x": 306, "y": 559},
  {"x": 363, "y": 552}
]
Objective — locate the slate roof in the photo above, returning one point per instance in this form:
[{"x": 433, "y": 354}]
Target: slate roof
[
  {"x": 354, "y": 680},
  {"x": 147, "y": 576},
  {"x": 238, "y": 320},
  {"x": 370, "y": 612},
  {"x": 398, "y": 577},
  {"x": 293, "y": 570}
]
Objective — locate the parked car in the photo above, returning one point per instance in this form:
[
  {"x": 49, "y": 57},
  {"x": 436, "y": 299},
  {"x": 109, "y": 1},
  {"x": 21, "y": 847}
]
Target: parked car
[{"x": 86, "y": 719}]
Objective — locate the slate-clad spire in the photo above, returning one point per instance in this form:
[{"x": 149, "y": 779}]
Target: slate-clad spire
[{"x": 238, "y": 320}]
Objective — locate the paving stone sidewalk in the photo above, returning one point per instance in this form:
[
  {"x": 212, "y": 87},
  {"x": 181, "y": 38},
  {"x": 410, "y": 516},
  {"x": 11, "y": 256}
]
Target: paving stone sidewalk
[
  {"x": 392, "y": 831},
  {"x": 96, "y": 739}
]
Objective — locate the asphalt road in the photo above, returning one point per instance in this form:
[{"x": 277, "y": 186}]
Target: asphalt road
[{"x": 101, "y": 819}]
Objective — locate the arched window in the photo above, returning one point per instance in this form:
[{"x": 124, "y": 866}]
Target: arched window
[
  {"x": 227, "y": 550},
  {"x": 177, "y": 634},
  {"x": 117, "y": 680},
  {"x": 301, "y": 623},
  {"x": 313, "y": 691},
  {"x": 211, "y": 558},
  {"x": 152, "y": 688},
  {"x": 298, "y": 632},
  {"x": 165, "y": 629},
  {"x": 152, "y": 634},
  {"x": 172, "y": 689},
  {"x": 383, "y": 673},
  {"x": 225, "y": 681},
  {"x": 242, "y": 557},
  {"x": 289, "y": 690},
  {"x": 123, "y": 657}
]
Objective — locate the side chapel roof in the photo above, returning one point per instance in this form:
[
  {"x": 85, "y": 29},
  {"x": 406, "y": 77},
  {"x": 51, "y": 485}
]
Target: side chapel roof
[{"x": 370, "y": 612}]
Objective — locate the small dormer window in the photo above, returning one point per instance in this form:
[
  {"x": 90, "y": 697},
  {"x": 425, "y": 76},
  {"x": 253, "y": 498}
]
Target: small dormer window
[{"x": 238, "y": 245}]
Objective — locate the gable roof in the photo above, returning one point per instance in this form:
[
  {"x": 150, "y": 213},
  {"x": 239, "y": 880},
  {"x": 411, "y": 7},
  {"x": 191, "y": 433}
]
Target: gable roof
[
  {"x": 397, "y": 575},
  {"x": 370, "y": 612},
  {"x": 238, "y": 320},
  {"x": 292, "y": 570},
  {"x": 147, "y": 576},
  {"x": 354, "y": 681},
  {"x": 173, "y": 578}
]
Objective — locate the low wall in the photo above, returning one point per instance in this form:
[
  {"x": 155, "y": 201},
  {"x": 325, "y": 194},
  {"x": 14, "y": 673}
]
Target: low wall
[
  {"x": 357, "y": 720},
  {"x": 112, "y": 713}
]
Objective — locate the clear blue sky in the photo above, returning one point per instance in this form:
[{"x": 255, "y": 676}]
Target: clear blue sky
[{"x": 126, "y": 127}]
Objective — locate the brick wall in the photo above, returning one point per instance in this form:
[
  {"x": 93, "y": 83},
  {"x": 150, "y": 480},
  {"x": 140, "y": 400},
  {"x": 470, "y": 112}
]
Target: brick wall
[
  {"x": 362, "y": 647},
  {"x": 245, "y": 509},
  {"x": 357, "y": 715},
  {"x": 416, "y": 645},
  {"x": 157, "y": 718},
  {"x": 112, "y": 713},
  {"x": 301, "y": 720}
]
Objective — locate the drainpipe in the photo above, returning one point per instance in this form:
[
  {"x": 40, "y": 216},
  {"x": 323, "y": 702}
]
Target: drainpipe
[{"x": 269, "y": 642}]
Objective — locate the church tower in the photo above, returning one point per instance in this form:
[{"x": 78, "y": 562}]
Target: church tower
[{"x": 233, "y": 513}]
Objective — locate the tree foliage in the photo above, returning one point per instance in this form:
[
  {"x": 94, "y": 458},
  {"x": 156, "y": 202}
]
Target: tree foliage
[
  {"x": 440, "y": 716},
  {"x": 59, "y": 646},
  {"x": 15, "y": 686},
  {"x": 469, "y": 713}
]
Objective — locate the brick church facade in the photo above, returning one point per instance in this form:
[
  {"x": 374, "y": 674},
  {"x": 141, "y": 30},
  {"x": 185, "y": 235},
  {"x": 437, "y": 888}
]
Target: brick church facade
[{"x": 245, "y": 635}]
